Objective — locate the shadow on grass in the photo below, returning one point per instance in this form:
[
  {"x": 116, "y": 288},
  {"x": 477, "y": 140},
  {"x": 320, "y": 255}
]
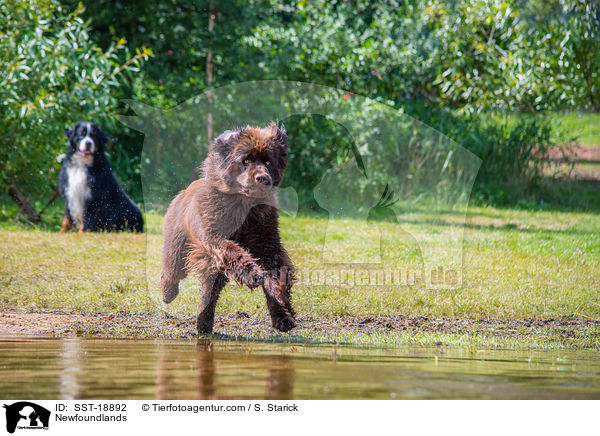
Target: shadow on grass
[
  {"x": 570, "y": 195},
  {"x": 504, "y": 227},
  {"x": 552, "y": 195}
]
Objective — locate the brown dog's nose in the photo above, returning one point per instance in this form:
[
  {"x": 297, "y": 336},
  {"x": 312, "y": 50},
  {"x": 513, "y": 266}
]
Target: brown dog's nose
[{"x": 263, "y": 179}]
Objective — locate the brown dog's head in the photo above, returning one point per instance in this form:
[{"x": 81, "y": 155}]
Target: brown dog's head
[{"x": 248, "y": 161}]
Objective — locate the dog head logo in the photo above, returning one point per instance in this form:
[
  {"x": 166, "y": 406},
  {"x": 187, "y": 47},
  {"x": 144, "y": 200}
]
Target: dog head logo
[{"x": 26, "y": 415}]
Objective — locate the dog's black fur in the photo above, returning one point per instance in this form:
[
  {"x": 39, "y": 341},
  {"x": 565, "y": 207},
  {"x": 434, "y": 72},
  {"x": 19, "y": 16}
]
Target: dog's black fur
[{"x": 93, "y": 198}]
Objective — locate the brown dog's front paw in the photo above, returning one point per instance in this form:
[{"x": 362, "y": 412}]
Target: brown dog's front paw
[
  {"x": 253, "y": 278},
  {"x": 256, "y": 280},
  {"x": 204, "y": 327},
  {"x": 284, "y": 323}
]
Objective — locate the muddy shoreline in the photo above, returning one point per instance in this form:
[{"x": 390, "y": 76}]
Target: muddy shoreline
[{"x": 240, "y": 326}]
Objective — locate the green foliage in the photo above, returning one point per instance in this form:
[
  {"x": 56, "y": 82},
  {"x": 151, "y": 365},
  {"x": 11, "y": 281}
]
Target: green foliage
[
  {"x": 51, "y": 75},
  {"x": 525, "y": 56},
  {"x": 381, "y": 49},
  {"x": 564, "y": 51},
  {"x": 514, "y": 155},
  {"x": 442, "y": 62},
  {"x": 177, "y": 31},
  {"x": 480, "y": 58},
  {"x": 470, "y": 55},
  {"x": 437, "y": 60},
  {"x": 316, "y": 145}
]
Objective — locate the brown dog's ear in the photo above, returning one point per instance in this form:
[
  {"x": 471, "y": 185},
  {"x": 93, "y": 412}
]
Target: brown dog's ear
[
  {"x": 226, "y": 141},
  {"x": 281, "y": 134},
  {"x": 281, "y": 140}
]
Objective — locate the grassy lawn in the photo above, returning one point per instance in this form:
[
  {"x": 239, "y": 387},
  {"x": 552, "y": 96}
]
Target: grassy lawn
[
  {"x": 518, "y": 265},
  {"x": 585, "y": 127}
]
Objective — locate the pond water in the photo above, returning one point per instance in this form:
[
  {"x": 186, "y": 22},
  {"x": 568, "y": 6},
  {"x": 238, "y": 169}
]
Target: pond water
[{"x": 77, "y": 368}]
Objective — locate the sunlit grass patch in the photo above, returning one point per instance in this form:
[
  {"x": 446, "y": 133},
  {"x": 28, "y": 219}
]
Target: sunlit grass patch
[{"x": 585, "y": 127}]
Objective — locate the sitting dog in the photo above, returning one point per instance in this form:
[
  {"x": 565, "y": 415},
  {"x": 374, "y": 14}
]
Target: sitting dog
[
  {"x": 93, "y": 198},
  {"x": 225, "y": 225}
]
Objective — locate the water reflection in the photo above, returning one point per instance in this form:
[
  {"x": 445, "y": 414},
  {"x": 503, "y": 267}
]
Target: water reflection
[
  {"x": 71, "y": 364},
  {"x": 215, "y": 371},
  {"x": 280, "y": 383},
  {"x": 206, "y": 371},
  {"x": 77, "y": 368}
]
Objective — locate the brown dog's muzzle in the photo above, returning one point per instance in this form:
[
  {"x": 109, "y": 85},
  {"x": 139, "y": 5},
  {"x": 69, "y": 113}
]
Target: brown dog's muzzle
[{"x": 263, "y": 179}]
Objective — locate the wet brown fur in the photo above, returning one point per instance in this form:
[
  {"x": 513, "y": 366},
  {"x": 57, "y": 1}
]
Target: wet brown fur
[{"x": 225, "y": 225}]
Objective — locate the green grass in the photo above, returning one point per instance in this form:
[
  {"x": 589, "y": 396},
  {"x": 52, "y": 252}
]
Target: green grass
[
  {"x": 584, "y": 127},
  {"x": 518, "y": 264}
]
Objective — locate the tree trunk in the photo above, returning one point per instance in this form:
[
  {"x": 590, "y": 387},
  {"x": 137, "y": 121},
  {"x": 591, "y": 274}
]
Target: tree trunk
[
  {"x": 24, "y": 206},
  {"x": 209, "y": 71}
]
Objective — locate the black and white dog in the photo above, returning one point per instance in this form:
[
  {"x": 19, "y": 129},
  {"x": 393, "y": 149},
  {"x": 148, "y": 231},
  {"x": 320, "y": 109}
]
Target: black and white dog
[{"x": 93, "y": 198}]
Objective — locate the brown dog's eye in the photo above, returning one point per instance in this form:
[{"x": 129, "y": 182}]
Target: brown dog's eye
[{"x": 246, "y": 161}]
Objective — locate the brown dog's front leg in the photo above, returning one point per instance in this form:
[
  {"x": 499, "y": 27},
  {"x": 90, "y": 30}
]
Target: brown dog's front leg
[
  {"x": 211, "y": 289},
  {"x": 278, "y": 295},
  {"x": 239, "y": 265},
  {"x": 226, "y": 257}
]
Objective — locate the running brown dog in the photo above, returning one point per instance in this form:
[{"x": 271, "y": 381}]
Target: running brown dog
[{"x": 224, "y": 226}]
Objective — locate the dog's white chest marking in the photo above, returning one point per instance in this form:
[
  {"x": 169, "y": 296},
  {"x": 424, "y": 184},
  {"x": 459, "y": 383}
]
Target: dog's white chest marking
[{"x": 78, "y": 191}]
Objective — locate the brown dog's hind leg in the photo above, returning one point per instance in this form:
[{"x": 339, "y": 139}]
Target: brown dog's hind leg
[
  {"x": 212, "y": 285},
  {"x": 173, "y": 271},
  {"x": 173, "y": 264},
  {"x": 170, "y": 287}
]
